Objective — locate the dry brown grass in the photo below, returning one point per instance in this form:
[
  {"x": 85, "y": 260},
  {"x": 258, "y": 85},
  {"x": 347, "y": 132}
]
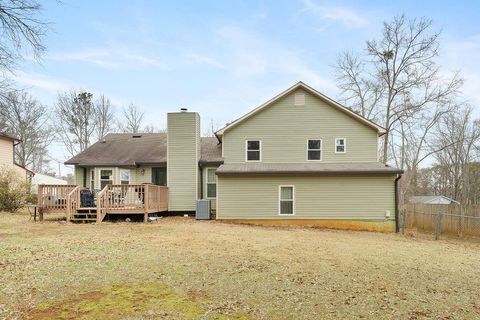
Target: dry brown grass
[{"x": 180, "y": 268}]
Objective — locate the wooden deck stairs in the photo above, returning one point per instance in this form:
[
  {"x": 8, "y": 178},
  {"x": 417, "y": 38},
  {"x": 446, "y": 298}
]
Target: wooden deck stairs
[{"x": 84, "y": 215}]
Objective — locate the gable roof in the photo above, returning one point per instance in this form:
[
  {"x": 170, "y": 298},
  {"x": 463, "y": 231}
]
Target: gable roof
[
  {"x": 321, "y": 96},
  {"x": 128, "y": 150},
  {"x": 431, "y": 199}
]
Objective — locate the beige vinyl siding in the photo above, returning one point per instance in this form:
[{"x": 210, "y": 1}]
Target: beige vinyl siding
[
  {"x": 79, "y": 176},
  {"x": 137, "y": 177},
  {"x": 182, "y": 160},
  {"x": 6, "y": 152},
  {"x": 356, "y": 197},
  {"x": 285, "y": 128}
]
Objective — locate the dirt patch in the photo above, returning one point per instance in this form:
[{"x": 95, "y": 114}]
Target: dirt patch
[{"x": 151, "y": 300}]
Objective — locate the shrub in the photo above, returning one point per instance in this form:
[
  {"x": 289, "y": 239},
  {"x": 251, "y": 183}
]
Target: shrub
[{"x": 14, "y": 190}]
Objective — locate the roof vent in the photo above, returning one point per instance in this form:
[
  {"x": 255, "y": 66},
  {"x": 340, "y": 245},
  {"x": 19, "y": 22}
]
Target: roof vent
[
  {"x": 137, "y": 136},
  {"x": 183, "y": 109},
  {"x": 104, "y": 140},
  {"x": 299, "y": 99}
]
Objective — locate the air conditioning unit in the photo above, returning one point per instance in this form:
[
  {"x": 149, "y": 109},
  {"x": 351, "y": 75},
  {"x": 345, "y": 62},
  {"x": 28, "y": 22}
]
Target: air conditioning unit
[{"x": 203, "y": 210}]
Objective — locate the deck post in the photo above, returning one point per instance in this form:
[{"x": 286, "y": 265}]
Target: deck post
[{"x": 145, "y": 202}]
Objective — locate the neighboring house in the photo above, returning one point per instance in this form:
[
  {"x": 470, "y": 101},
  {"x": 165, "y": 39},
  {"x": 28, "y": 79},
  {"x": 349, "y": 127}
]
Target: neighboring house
[
  {"x": 433, "y": 200},
  {"x": 7, "y": 156},
  {"x": 40, "y": 178},
  {"x": 299, "y": 158}
]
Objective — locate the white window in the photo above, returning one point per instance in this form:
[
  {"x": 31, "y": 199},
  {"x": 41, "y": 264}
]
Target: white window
[
  {"x": 286, "y": 200},
  {"x": 124, "y": 176},
  {"x": 106, "y": 177},
  {"x": 211, "y": 184},
  {"x": 314, "y": 150},
  {"x": 340, "y": 145},
  {"x": 253, "y": 148}
]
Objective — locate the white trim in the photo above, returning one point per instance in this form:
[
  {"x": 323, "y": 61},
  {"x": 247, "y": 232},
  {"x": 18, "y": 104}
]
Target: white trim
[
  {"x": 380, "y": 130},
  {"x": 321, "y": 151},
  {"x": 99, "y": 176},
  {"x": 206, "y": 182},
  {"x": 260, "y": 150},
  {"x": 344, "y": 145},
  {"x": 280, "y": 199}
]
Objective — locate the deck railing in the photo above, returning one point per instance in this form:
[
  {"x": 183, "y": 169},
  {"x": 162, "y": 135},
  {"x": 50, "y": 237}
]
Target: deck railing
[
  {"x": 53, "y": 198},
  {"x": 114, "y": 198},
  {"x": 73, "y": 202},
  {"x": 156, "y": 198},
  {"x": 131, "y": 198}
]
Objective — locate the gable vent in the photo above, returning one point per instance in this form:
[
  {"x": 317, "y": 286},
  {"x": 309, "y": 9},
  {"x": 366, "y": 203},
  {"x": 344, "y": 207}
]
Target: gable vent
[{"x": 299, "y": 99}]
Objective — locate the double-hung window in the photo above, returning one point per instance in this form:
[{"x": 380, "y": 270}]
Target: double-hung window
[
  {"x": 106, "y": 177},
  {"x": 286, "y": 200},
  {"x": 211, "y": 184},
  {"x": 340, "y": 145},
  {"x": 254, "y": 150},
  {"x": 314, "y": 150}
]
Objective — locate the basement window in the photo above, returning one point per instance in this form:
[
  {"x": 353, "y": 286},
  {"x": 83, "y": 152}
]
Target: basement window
[
  {"x": 253, "y": 150},
  {"x": 314, "y": 150},
  {"x": 286, "y": 200}
]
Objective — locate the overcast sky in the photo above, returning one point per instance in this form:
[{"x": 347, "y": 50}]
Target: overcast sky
[{"x": 223, "y": 58}]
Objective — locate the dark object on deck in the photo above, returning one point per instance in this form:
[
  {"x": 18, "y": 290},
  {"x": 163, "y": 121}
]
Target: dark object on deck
[
  {"x": 203, "y": 210},
  {"x": 86, "y": 199}
]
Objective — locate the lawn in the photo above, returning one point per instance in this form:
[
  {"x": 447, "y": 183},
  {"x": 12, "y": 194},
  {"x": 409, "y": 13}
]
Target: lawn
[{"x": 179, "y": 268}]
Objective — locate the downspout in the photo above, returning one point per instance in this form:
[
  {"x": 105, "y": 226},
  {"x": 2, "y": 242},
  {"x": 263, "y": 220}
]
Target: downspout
[{"x": 397, "y": 211}]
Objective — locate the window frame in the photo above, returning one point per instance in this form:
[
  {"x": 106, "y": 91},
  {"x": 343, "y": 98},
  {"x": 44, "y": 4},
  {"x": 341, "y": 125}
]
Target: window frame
[
  {"x": 344, "y": 145},
  {"x": 321, "y": 151},
  {"x": 280, "y": 200},
  {"x": 129, "y": 175},
  {"x": 259, "y": 150},
  {"x": 210, "y": 183},
  {"x": 100, "y": 176}
]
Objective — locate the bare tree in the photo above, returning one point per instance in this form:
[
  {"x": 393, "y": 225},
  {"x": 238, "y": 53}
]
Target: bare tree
[
  {"x": 22, "y": 32},
  {"x": 398, "y": 77},
  {"x": 104, "y": 117},
  {"x": 132, "y": 119},
  {"x": 458, "y": 137},
  {"x": 28, "y": 120},
  {"x": 213, "y": 127},
  {"x": 76, "y": 120}
]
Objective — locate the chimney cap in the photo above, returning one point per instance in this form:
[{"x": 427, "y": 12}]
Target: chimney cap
[{"x": 183, "y": 109}]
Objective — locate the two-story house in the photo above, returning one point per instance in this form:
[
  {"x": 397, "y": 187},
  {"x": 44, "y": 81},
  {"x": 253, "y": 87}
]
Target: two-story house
[
  {"x": 300, "y": 158},
  {"x": 7, "y": 156}
]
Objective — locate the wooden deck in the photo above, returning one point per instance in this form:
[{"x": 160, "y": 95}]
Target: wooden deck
[{"x": 113, "y": 199}]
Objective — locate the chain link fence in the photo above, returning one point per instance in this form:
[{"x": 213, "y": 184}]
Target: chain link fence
[{"x": 440, "y": 219}]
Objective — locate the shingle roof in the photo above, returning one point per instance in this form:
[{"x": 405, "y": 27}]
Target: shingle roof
[
  {"x": 6, "y": 135},
  {"x": 306, "y": 168},
  {"x": 126, "y": 149}
]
